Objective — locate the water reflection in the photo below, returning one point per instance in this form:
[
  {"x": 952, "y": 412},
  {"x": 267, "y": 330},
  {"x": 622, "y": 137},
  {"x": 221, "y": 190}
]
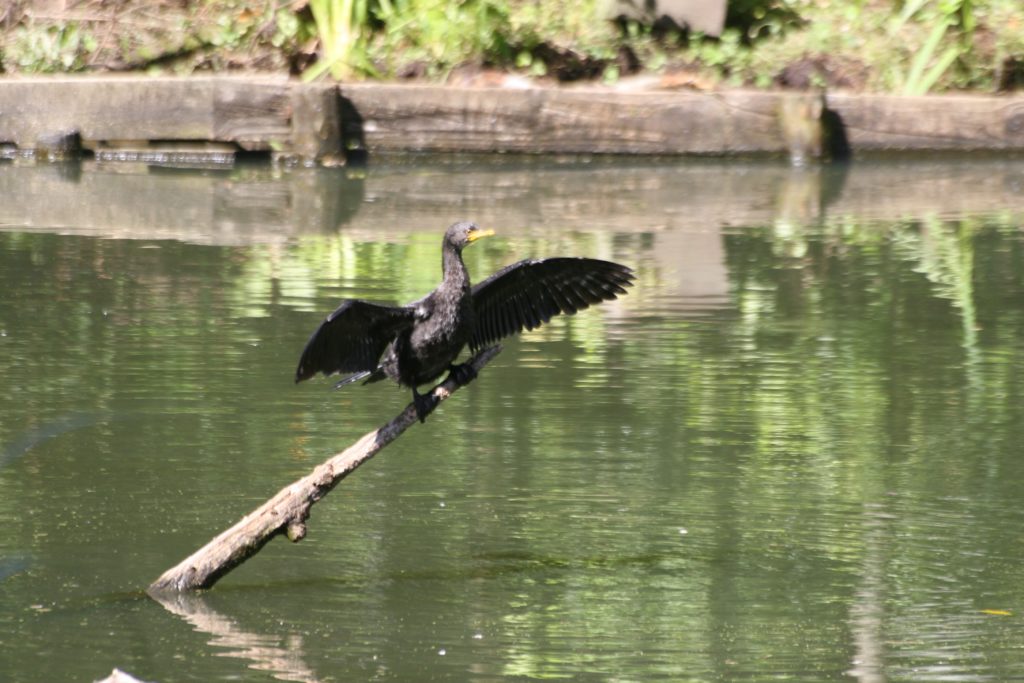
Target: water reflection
[
  {"x": 20, "y": 445},
  {"x": 282, "y": 657},
  {"x": 791, "y": 452},
  {"x": 10, "y": 566},
  {"x": 938, "y": 620}
]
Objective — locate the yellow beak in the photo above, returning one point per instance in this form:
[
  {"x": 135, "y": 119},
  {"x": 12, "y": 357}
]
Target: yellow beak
[{"x": 477, "y": 234}]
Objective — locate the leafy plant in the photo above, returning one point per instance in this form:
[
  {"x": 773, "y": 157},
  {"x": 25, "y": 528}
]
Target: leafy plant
[
  {"x": 925, "y": 70},
  {"x": 918, "y": 81},
  {"x": 51, "y": 48},
  {"x": 446, "y": 32},
  {"x": 340, "y": 25}
]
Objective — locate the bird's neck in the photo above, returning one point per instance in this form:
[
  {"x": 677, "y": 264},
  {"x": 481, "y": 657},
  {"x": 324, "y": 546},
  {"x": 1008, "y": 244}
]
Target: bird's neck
[{"x": 454, "y": 270}]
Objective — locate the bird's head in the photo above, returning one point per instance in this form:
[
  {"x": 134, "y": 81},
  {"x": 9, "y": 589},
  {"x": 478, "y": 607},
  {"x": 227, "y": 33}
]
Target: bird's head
[{"x": 463, "y": 233}]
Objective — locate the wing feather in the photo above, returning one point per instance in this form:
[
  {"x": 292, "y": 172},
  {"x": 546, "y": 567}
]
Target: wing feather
[
  {"x": 352, "y": 338},
  {"x": 529, "y": 293}
]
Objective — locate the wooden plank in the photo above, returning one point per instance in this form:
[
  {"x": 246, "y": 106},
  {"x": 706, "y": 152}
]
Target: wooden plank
[
  {"x": 316, "y": 123},
  {"x": 433, "y": 119},
  {"x": 106, "y": 108},
  {"x": 252, "y": 112},
  {"x": 877, "y": 123},
  {"x": 255, "y": 114},
  {"x": 270, "y": 113}
]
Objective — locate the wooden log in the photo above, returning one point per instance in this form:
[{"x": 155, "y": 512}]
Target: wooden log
[
  {"x": 582, "y": 121},
  {"x": 316, "y": 124},
  {"x": 266, "y": 113},
  {"x": 253, "y": 113},
  {"x": 287, "y": 512},
  {"x": 591, "y": 120},
  {"x": 930, "y": 123}
]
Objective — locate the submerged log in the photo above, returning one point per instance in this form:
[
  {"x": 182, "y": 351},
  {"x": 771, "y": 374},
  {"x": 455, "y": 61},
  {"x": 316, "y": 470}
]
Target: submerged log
[{"x": 287, "y": 512}]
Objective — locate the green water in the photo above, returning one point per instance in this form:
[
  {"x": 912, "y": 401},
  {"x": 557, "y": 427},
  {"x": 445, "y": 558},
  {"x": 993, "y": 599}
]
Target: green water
[{"x": 792, "y": 452}]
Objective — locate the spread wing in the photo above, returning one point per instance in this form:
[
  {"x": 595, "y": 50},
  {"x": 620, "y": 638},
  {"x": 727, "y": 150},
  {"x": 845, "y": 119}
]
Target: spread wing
[
  {"x": 529, "y": 293},
  {"x": 352, "y": 338}
]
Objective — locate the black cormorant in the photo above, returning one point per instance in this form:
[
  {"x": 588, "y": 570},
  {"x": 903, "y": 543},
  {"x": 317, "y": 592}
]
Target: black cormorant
[{"x": 416, "y": 343}]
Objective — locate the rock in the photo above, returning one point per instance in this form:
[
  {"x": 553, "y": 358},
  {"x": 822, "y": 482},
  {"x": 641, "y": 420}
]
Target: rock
[{"x": 705, "y": 16}]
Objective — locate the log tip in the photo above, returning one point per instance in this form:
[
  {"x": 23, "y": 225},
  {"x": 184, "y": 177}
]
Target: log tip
[{"x": 296, "y": 530}]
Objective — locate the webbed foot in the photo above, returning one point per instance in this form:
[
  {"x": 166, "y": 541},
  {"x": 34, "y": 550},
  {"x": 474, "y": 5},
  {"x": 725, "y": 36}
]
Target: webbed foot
[{"x": 425, "y": 403}]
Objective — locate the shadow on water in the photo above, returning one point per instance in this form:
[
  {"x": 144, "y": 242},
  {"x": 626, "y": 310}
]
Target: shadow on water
[
  {"x": 16, "y": 564},
  {"x": 51, "y": 429}
]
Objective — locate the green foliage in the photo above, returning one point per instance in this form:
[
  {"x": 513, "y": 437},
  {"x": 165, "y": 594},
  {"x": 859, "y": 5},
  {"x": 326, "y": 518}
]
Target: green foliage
[
  {"x": 443, "y": 33},
  {"x": 913, "y": 46},
  {"x": 926, "y": 68},
  {"x": 340, "y": 25},
  {"x": 368, "y": 37},
  {"x": 727, "y": 55},
  {"x": 41, "y": 49}
]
